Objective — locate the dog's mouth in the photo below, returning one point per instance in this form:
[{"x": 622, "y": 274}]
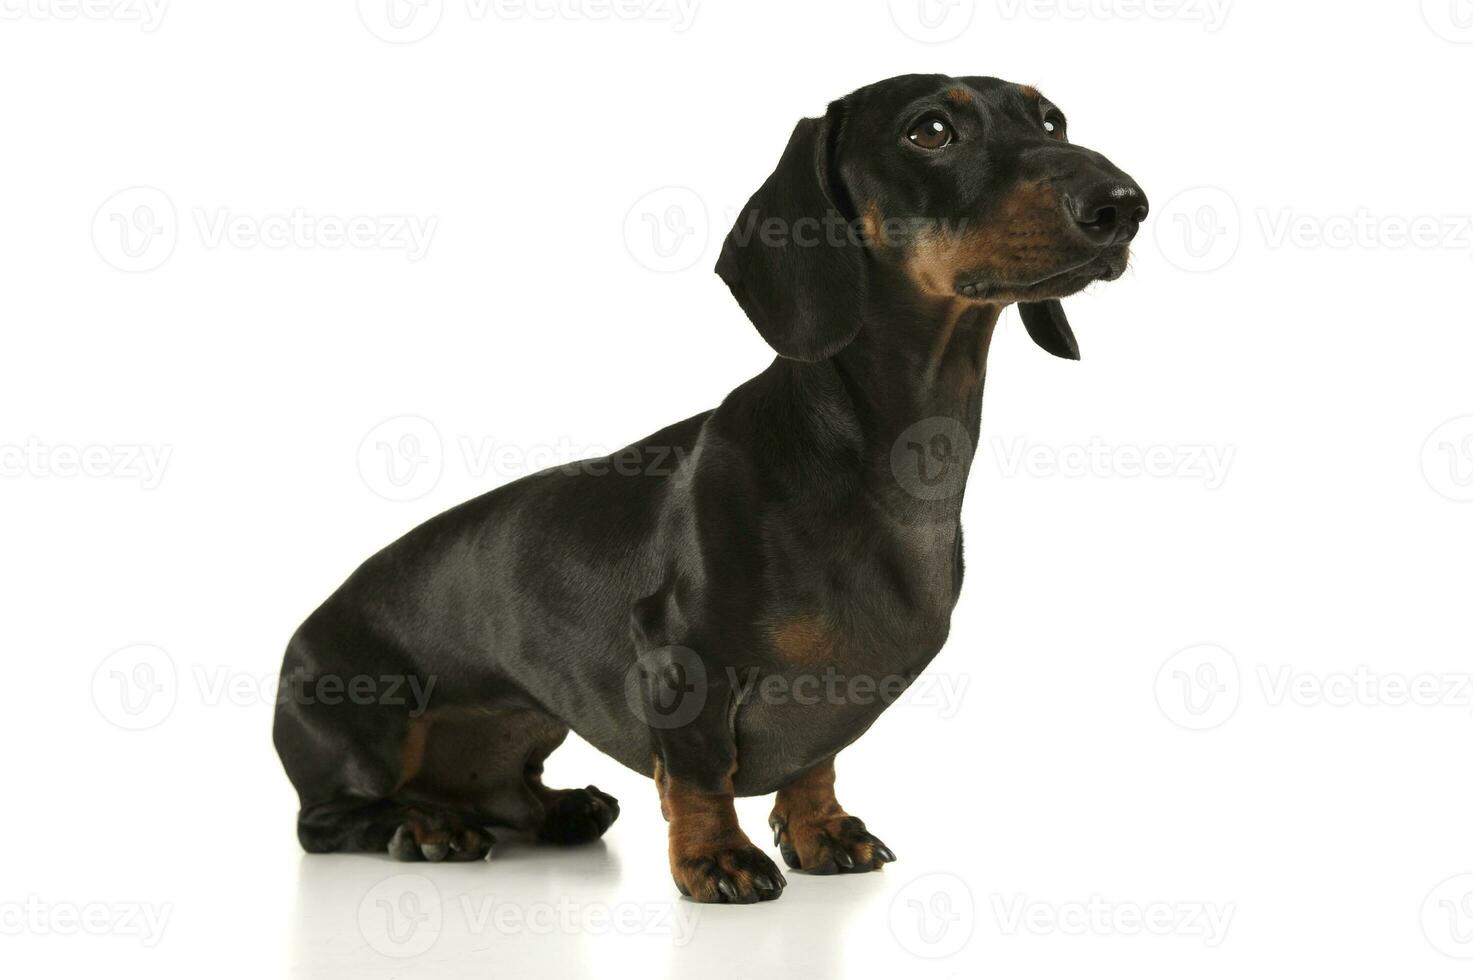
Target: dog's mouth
[{"x": 987, "y": 287}]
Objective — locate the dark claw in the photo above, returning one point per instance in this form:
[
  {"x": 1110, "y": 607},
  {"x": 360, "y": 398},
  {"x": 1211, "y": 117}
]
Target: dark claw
[
  {"x": 434, "y": 852},
  {"x": 763, "y": 883},
  {"x": 403, "y": 847},
  {"x": 726, "y": 887},
  {"x": 841, "y": 856},
  {"x": 884, "y": 853}
]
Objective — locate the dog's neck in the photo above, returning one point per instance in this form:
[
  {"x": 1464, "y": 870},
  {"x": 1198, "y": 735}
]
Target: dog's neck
[{"x": 917, "y": 369}]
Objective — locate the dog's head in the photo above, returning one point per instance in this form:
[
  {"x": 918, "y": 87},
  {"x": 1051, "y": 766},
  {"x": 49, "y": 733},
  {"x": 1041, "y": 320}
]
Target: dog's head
[{"x": 968, "y": 187}]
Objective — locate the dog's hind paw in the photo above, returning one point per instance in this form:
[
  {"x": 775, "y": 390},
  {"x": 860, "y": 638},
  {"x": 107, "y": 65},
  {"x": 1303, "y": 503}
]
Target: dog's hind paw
[{"x": 418, "y": 840}]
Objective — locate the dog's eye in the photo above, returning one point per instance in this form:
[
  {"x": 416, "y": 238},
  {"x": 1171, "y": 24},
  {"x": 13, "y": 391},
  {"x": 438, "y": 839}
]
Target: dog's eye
[
  {"x": 931, "y": 133},
  {"x": 1053, "y": 121}
]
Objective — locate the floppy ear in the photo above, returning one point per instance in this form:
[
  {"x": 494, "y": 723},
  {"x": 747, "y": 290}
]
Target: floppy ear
[
  {"x": 1049, "y": 328},
  {"x": 791, "y": 261}
]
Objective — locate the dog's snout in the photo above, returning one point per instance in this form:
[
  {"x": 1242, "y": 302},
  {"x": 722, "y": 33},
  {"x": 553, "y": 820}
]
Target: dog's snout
[{"x": 1109, "y": 212}]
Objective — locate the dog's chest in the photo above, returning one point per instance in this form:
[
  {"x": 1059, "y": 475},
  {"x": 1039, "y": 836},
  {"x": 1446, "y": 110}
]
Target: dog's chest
[{"x": 856, "y": 649}]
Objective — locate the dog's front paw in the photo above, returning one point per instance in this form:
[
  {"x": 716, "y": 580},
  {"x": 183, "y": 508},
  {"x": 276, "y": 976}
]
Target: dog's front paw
[
  {"x": 740, "y": 875},
  {"x": 829, "y": 845}
]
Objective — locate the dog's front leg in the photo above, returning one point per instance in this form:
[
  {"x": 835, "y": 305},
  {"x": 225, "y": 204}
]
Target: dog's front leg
[
  {"x": 816, "y": 835},
  {"x": 689, "y": 717}
]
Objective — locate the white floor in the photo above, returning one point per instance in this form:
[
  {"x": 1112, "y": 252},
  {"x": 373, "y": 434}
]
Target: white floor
[{"x": 1037, "y": 858}]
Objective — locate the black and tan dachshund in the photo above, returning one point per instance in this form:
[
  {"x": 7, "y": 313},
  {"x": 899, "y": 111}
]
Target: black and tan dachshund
[{"x": 728, "y": 603}]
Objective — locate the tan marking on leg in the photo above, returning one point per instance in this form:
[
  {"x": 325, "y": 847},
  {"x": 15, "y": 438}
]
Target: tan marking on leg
[
  {"x": 809, "y": 808},
  {"x": 412, "y": 753},
  {"x": 814, "y": 828},
  {"x": 702, "y": 825},
  {"x": 808, "y": 641}
]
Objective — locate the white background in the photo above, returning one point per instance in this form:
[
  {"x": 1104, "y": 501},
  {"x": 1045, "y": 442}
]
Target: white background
[{"x": 1067, "y": 772}]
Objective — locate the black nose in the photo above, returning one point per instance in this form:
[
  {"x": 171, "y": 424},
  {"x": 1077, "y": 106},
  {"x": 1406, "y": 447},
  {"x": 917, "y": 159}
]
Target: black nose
[{"x": 1110, "y": 212}]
